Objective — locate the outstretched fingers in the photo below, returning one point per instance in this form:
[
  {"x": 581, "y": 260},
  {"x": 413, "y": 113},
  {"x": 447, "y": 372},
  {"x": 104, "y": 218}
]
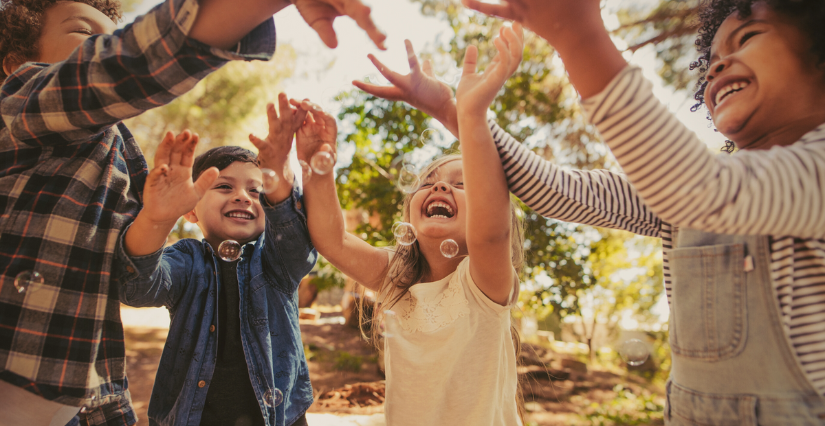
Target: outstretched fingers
[
  {"x": 205, "y": 181},
  {"x": 470, "y": 60},
  {"x": 360, "y": 13},
  {"x": 188, "y": 154},
  {"x": 506, "y": 9},
  {"x": 164, "y": 150}
]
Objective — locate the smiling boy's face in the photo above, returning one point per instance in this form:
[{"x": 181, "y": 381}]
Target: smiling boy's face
[
  {"x": 231, "y": 209},
  {"x": 66, "y": 25}
]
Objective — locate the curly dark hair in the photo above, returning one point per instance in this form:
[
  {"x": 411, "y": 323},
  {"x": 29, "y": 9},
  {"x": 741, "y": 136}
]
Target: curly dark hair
[
  {"x": 809, "y": 13},
  {"x": 21, "y": 23}
]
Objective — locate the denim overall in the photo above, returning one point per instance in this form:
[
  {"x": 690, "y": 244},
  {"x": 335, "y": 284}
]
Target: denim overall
[{"x": 733, "y": 363}]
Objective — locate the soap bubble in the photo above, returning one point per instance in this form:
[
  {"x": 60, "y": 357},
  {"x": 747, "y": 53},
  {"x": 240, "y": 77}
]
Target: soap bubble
[
  {"x": 28, "y": 281},
  {"x": 408, "y": 181},
  {"x": 306, "y": 170},
  {"x": 451, "y": 76},
  {"x": 449, "y": 248},
  {"x": 634, "y": 352},
  {"x": 388, "y": 326},
  {"x": 431, "y": 136},
  {"x": 229, "y": 250},
  {"x": 273, "y": 398},
  {"x": 322, "y": 162},
  {"x": 404, "y": 233},
  {"x": 269, "y": 181},
  {"x": 376, "y": 79}
]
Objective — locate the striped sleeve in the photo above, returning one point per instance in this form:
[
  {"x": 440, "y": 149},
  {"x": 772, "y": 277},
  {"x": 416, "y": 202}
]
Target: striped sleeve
[
  {"x": 775, "y": 192},
  {"x": 598, "y": 198}
]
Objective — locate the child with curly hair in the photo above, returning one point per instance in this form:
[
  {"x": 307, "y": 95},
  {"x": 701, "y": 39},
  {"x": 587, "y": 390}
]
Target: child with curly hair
[
  {"x": 743, "y": 234},
  {"x": 72, "y": 176}
]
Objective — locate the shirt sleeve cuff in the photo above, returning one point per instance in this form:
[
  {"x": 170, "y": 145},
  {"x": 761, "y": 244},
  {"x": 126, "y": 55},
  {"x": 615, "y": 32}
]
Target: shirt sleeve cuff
[
  {"x": 127, "y": 267},
  {"x": 594, "y": 106},
  {"x": 288, "y": 210}
]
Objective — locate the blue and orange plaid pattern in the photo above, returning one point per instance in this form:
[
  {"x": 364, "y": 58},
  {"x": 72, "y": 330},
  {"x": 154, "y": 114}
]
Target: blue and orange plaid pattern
[{"x": 71, "y": 177}]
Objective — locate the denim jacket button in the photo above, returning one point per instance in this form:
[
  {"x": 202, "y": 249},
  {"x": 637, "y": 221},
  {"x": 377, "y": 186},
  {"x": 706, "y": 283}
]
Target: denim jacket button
[
  {"x": 212, "y": 328},
  {"x": 201, "y": 384},
  {"x": 130, "y": 269},
  {"x": 298, "y": 205}
]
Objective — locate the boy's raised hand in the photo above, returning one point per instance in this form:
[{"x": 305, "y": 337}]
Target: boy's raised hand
[
  {"x": 273, "y": 152},
  {"x": 169, "y": 192},
  {"x": 319, "y": 14},
  {"x": 476, "y": 91}
]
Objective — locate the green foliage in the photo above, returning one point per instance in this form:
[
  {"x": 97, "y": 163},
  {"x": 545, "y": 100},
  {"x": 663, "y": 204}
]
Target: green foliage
[
  {"x": 327, "y": 276},
  {"x": 341, "y": 360},
  {"x": 344, "y": 361},
  {"x": 223, "y": 108},
  {"x": 627, "y": 408}
]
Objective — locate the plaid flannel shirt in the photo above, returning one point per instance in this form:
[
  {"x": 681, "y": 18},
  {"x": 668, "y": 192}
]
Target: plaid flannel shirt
[{"x": 71, "y": 178}]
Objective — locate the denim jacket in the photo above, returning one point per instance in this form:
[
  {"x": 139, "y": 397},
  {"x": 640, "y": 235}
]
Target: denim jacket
[{"x": 185, "y": 279}]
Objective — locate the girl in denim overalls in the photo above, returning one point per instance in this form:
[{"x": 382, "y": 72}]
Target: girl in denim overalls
[{"x": 742, "y": 234}]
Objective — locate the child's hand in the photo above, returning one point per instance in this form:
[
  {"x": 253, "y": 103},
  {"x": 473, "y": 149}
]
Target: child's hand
[
  {"x": 419, "y": 88},
  {"x": 318, "y": 133},
  {"x": 319, "y": 14},
  {"x": 169, "y": 192},
  {"x": 273, "y": 152},
  {"x": 476, "y": 91},
  {"x": 556, "y": 20}
]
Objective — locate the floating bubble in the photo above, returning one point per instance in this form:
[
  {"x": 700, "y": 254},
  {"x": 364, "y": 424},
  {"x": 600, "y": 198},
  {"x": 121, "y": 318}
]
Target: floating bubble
[
  {"x": 404, "y": 233},
  {"x": 376, "y": 79},
  {"x": 306, "y": 170},
  {"x": 634, "y": 352},
  {"x": 322, "y": 162},
  {"x": 449, "y": 248},
  {"x": 269, "y": 181},
  {"x": 273, "y": 398},
  {"x": 430, "y": 135},
  {"x": 229, "y": 250},
  {"x": 408, "y": 181},
  {"x": 388, "y": 325},
  {"x": 28, "y": 281}
]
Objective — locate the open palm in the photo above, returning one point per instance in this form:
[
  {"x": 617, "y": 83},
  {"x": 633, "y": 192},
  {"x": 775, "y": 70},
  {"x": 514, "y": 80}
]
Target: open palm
[
  {"x": 169, "y": 192},
  {"x": 319, "y": 129}
]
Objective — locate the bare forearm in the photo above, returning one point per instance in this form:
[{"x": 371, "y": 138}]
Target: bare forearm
[
  {"x": 145, "y": 236},
  {"x": 590, "y": 57},
  {"x": 223, "y": 23},
  {"x": 324, "y": 216},
  {"x": 486, "y": 186}
]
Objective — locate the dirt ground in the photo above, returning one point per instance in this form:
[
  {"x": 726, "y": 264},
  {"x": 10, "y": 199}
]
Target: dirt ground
[{"x": 558, "y": 390}]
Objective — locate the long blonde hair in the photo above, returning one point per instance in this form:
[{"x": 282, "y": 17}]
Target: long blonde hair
[{"x": 408, "y": 267}]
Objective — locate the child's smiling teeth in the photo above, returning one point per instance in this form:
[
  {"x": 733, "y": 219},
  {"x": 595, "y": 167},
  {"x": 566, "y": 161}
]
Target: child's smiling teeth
[
  {"x": 439, "y": 209},
  {"x": 730, "y": 89},
  {"x": 240, "y": 215}
]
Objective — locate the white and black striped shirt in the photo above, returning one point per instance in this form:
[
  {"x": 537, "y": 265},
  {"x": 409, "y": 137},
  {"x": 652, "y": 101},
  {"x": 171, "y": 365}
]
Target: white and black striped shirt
[{"x": 777, "y": 192}]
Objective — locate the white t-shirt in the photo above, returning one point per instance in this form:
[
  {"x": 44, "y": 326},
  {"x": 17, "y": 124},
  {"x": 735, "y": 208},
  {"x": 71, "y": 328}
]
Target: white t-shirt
[{"x": 449, "y": 356}]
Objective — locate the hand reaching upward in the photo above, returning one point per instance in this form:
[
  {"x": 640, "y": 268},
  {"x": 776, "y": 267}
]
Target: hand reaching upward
[{"x": 319, "y": 14}]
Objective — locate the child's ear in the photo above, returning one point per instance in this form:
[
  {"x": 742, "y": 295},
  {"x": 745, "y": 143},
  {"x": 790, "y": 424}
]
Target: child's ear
[
  {"x": 10, "y": 64},
  {"x": 191, "y": 217}
]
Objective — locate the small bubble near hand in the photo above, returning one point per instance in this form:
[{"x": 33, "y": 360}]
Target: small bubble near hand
[
  {"x": 322, "y": 162},
  {"x": 269, "y": 181},
  {"x": 408, "y": 181}
]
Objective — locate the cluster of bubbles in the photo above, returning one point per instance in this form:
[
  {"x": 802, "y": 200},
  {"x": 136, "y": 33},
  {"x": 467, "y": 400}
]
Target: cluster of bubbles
[
  {"x": 273, "y": 397},
  {"x": 404, "y": 233},
  {"x": 28, "y": 281},
  {"x": 634, "y": 352},
  {"x": 388, "y": 324},
  {"x": 229, "y": 250},
  {"x": 408, "y": 175}
]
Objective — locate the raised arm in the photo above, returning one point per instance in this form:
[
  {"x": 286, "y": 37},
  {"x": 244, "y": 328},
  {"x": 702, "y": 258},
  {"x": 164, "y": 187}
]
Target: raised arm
[
  {"x": 353, "y": 256},
  {"x": 774, "y": 192},
  {"x": 488, "y": 199}
]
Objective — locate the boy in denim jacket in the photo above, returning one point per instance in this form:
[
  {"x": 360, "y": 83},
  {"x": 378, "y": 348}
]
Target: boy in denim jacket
[
  {"x": 72, "y": 176},
  {"x": 234, "y": 353}
]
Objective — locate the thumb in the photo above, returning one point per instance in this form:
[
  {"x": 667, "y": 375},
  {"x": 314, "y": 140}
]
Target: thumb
[
  {"x": 325, "y": 31},
  {"x": 206, "y": 179},
  {"x": 470, "y": 60}
]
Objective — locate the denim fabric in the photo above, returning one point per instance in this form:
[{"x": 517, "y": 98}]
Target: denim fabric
[
  {"x": 185, "y": 279},
  {"x": 733, "y": 363}
]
